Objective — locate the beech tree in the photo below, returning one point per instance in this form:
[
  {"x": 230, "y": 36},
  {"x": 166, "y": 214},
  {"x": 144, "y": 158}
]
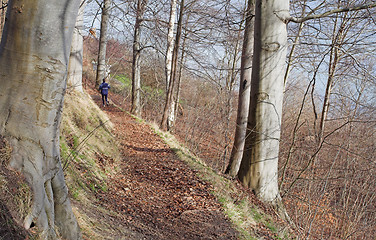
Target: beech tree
[
  {"x": 244, "y": 93},
  {"x": 76, "y": 55},
  {"x": 170, "y": 42},
  {"x": 136, "y": 65},
  {"x": 259, "y": 167},
  {"x": 101, "y": 65},
  {"x": 171, "y": 60},
  {"x": 34, "y": 55},
  {"x": 168, "y": 117}
]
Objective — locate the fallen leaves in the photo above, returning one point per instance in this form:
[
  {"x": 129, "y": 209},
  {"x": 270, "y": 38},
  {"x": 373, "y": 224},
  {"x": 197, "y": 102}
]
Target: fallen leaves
[{"x": 153, "y": 188}]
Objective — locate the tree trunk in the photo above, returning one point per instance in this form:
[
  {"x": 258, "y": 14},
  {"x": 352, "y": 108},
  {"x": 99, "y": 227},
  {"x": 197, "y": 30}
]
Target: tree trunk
[
  {"x": 101, "y": 67},
  {"x": 259, "y": 166},
  {"x": 75, "y": 60},
  {"x": 335, "y": 56},
  {"x": 34, "y": 55},
  {"x": 168, "y": 117},
  {"x": 136, "y": 68},
  {"x": 244, "y": 93},
  {"x": 177, "y": 99},
  {"x": 170, "y": 42},
  {"x": 2, "y": 15}
]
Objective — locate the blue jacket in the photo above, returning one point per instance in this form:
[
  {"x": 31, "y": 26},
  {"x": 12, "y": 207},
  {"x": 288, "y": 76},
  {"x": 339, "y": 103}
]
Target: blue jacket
[{"x": 104, "y": 88}]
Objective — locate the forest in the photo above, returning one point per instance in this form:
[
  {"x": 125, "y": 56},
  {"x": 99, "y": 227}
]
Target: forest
[{"x": 276, "y": 97}]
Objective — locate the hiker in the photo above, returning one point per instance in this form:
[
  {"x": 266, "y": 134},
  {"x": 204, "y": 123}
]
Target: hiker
[{"x": 104, "y": 91}]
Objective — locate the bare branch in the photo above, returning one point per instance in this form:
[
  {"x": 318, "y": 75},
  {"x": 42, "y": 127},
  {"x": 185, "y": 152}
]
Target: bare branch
[{"x": 328, "y": 13}]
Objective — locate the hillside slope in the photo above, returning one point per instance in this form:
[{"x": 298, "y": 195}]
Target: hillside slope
[{"x": 128, "y": 180}]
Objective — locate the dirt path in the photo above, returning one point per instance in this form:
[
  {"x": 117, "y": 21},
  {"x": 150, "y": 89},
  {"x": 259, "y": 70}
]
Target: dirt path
[{"x": 156, "y": 195}]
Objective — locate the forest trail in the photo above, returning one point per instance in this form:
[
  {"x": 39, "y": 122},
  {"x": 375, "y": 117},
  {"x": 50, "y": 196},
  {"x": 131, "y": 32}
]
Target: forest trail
[{"x": 155, "y": 194}]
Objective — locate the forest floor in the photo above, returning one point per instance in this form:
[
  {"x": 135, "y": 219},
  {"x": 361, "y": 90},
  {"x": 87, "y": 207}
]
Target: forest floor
[{"x": 155, "y": 194}]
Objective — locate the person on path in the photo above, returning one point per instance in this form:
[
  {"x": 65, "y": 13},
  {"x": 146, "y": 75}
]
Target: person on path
[{"x": 103, "y": 88}]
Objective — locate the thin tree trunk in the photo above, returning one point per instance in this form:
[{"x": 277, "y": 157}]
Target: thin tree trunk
[
  {"x": 170, "y": 42},
  {"x": 34, "y": 55},
  {"x": 259, "y": 166},
  {"x": 177, "y": 99},
  {"x": 101, "y": 67},
  {"x": 76, "y": 55},
  {"x": 333, "y": 62},
  {"x": 168, "y": 112},
  {"x": 244, "y": 94},
  {"x": 136, "y": 68}
]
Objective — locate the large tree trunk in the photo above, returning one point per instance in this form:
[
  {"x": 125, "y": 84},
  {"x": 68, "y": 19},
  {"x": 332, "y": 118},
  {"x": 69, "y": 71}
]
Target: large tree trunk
[
  {"x": 259, "y": 167},
  {"x": 75, "y": 60},
  {"x": 101, "y": 67},
  {"x": 244, "y": 93},
  {"x": 136, "y": 67},
  {"x": 34, "y": 55}
]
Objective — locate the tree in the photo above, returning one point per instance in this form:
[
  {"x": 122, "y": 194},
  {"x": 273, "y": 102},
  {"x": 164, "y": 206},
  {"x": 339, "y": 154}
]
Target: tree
[
  {"x": 244, "y": 93},
  {"x": 171, "y": 61},
  {"x": 101, "y": 67},
  {"x": 34, "y": 55},
  {"x": 259, "y": 166},
  {"x": 136, "y": 66},
  {"x": 170, "y": 42},
  {"x": 168, "y": 117},
  {"x": 74, "y": 79}
]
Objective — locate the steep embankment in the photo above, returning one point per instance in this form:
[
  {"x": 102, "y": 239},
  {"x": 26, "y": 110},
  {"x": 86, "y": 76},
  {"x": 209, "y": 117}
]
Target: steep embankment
[{"x": 128, "y": 180}]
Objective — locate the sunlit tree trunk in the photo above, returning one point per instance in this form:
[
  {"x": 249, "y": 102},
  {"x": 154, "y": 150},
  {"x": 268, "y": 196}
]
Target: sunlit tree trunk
[
  {"x": 34, "y": 55},
  {"x": 75, "y": 60},
  {"x": 170, "y": 42},
  {"x": 259, "y": 166},
  {"x": 101, "y": 67},
  {"x": 136, "y": 67},
  {"x": 244, "y": 93},
  {"x": 168, "y": 117}
]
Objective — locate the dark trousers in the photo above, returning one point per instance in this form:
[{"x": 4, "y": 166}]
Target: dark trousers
[{"x": 104, "y": 99}]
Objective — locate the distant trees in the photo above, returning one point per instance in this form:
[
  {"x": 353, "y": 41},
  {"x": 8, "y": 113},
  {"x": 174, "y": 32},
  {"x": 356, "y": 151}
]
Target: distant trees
[
  {"x": 324, "y": 178},
  {"x": 34, "y": 56}
]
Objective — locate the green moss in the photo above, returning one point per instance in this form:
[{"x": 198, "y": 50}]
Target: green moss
[{"x": 256, "y": 215}]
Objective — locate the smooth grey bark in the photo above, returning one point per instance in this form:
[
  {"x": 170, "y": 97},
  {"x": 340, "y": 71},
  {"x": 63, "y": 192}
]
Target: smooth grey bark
[
  {"x": 101, "y": 65},
  {"x": 169, "y": 60},
  {"x": 34, "y": 55},
  {"x": 170, "y": 42},
  {"x": 259, "y": 166},
  {"x": 244, "y": 93},
  {"x": 136, "y": 67},
  {"x": 76, "y": 55},
  {"x": 168, "y": 117}
]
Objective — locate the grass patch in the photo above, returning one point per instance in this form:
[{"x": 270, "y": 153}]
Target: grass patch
[{"x": 86, "y": 139}]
